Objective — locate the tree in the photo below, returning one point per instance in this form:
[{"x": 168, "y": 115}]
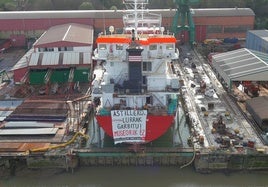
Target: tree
[
  {"x": 10, "y": 6},
  {"x": 113, "y": 8},
  {"x": 86, "y": 6},
  {"x": 107, "y": 4}
]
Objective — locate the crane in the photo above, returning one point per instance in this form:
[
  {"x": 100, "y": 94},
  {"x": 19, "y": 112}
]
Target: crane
[{"x": 183, "y": 12}]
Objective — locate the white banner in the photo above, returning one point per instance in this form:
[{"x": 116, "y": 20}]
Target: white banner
[{"x": 129, "y": 125}]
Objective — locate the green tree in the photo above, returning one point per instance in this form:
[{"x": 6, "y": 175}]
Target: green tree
[
  {"x": 86, "y": 6},
  {"x": 107, "y": 4},
  {"x": 113, "y": 8},
  {"x": 10, "y": 6}
]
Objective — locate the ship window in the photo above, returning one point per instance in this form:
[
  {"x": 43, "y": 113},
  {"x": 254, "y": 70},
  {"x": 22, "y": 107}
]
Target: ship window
[
  {"x": 119, "y": 47},
  {"x": 102, "y": 46},
  {"x": 153, "y": 47},
  {"x": 69, "y": 48},
  {"x": 147, "y": 66},
  {"x": 169, "y": 47}
]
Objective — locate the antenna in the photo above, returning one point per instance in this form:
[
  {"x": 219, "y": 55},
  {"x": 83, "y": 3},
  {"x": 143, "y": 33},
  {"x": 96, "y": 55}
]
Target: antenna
[
  {"x": 136, "y": 19},
  {"x": 162, "y": 30},
  {"x": 103, "y": 19}
]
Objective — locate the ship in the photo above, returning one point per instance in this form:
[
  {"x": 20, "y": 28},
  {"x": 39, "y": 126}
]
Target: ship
[{"x": 135, "y": 84}]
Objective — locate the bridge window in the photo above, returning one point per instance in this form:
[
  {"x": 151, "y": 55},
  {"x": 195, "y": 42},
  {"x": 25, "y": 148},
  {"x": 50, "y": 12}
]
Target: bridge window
[
  {"x": 119, "y": 47},
  {"x": 153, "y": 47},
  {"x": 169, "y": 47},
  {"x": 147, "y": 66},
  {"x": 102, "y": 47}
]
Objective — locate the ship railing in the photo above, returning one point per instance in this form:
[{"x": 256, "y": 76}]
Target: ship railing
[
  {"x": 152, "y": 110},
  {"x": 129, "y": 91}
]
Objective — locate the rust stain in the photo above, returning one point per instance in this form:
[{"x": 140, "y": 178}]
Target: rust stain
[{"x": 20, "y": 147}]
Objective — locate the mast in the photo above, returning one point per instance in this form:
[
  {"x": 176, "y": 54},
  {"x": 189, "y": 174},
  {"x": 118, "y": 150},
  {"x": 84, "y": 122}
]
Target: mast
[
  {"x": 136, "y": 19},
  {"x": 140, "y": 20}
]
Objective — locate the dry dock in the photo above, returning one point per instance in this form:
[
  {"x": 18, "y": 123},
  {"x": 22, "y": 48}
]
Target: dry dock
[{"x": 222, "y": 137}]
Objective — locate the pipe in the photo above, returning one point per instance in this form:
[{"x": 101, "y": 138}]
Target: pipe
[
  {"x": 187, "y": 164},
  {"x": 57, "y": 146}
]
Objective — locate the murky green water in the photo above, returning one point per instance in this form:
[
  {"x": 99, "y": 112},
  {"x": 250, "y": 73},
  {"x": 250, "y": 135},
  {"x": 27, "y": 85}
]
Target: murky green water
[{"x": 137, "y": 177}]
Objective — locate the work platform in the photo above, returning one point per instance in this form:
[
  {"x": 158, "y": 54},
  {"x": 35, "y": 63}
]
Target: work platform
[{"x": 217, "y": 121}]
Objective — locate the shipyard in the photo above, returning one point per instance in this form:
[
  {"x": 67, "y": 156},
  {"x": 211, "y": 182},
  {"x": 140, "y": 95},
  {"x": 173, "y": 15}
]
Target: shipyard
[{"x": 79, "y": 97}]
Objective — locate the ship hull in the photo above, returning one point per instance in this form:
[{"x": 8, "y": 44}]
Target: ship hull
[{"x": 156, "y": 126}]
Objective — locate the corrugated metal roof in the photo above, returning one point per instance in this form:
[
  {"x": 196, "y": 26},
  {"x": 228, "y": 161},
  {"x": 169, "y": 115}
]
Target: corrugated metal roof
[
  {"x": 9, "y": 104},
  {"x": 28, "y": 124},
  {"x": 4, "y": 114},
  {"x": 23, "y": 62},
  {"x": 241, "y": 62},
  {"x": 28, "y": 131},
  {"x": 102, "y": 14},
  {"x": 70, "y": 58},
  {"x": 260, "y": 106},
  {"x": 263, "y": 56},
  {"x": 259, "y": 33},
  {"x": 73, "y": 32},
  {"x": 7, "y": 107},
  {"x": 34, "y": 59},
  {"x": 53, "y": 58},
  {"x": 222, "y": 12},
  {"x": 50, "y": 59}
]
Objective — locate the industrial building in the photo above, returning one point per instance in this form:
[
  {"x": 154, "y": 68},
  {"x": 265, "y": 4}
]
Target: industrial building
[
  {"x": 257, "y": 40},
  {"x": 240, "y": 65},
  {"x": 52, "y": 79},
  {"x": 258, "y": 108},
  {"x": 62, "y": 54},
  {"x": 22, "y": 27}
]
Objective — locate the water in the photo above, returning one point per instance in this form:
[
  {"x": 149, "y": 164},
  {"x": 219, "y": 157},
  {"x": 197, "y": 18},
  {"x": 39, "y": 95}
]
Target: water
[{"x": 136, "y": 177}]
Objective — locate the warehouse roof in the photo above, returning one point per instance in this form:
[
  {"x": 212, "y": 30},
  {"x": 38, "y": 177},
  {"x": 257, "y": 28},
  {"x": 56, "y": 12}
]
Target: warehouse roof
[
  {"x": 23, "y": 61},
  {"x": 102, "y": 14},
  {"x": 223, "y": 12},
  {"x": 260, "y": 33},
  {"x": 243, "y": 64},
  {"x": 60, "y": 58},
  {"x": 73, "y": 32},
  {"x": 260, "y": 106},
  {"x": 28, "y": 131}
]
